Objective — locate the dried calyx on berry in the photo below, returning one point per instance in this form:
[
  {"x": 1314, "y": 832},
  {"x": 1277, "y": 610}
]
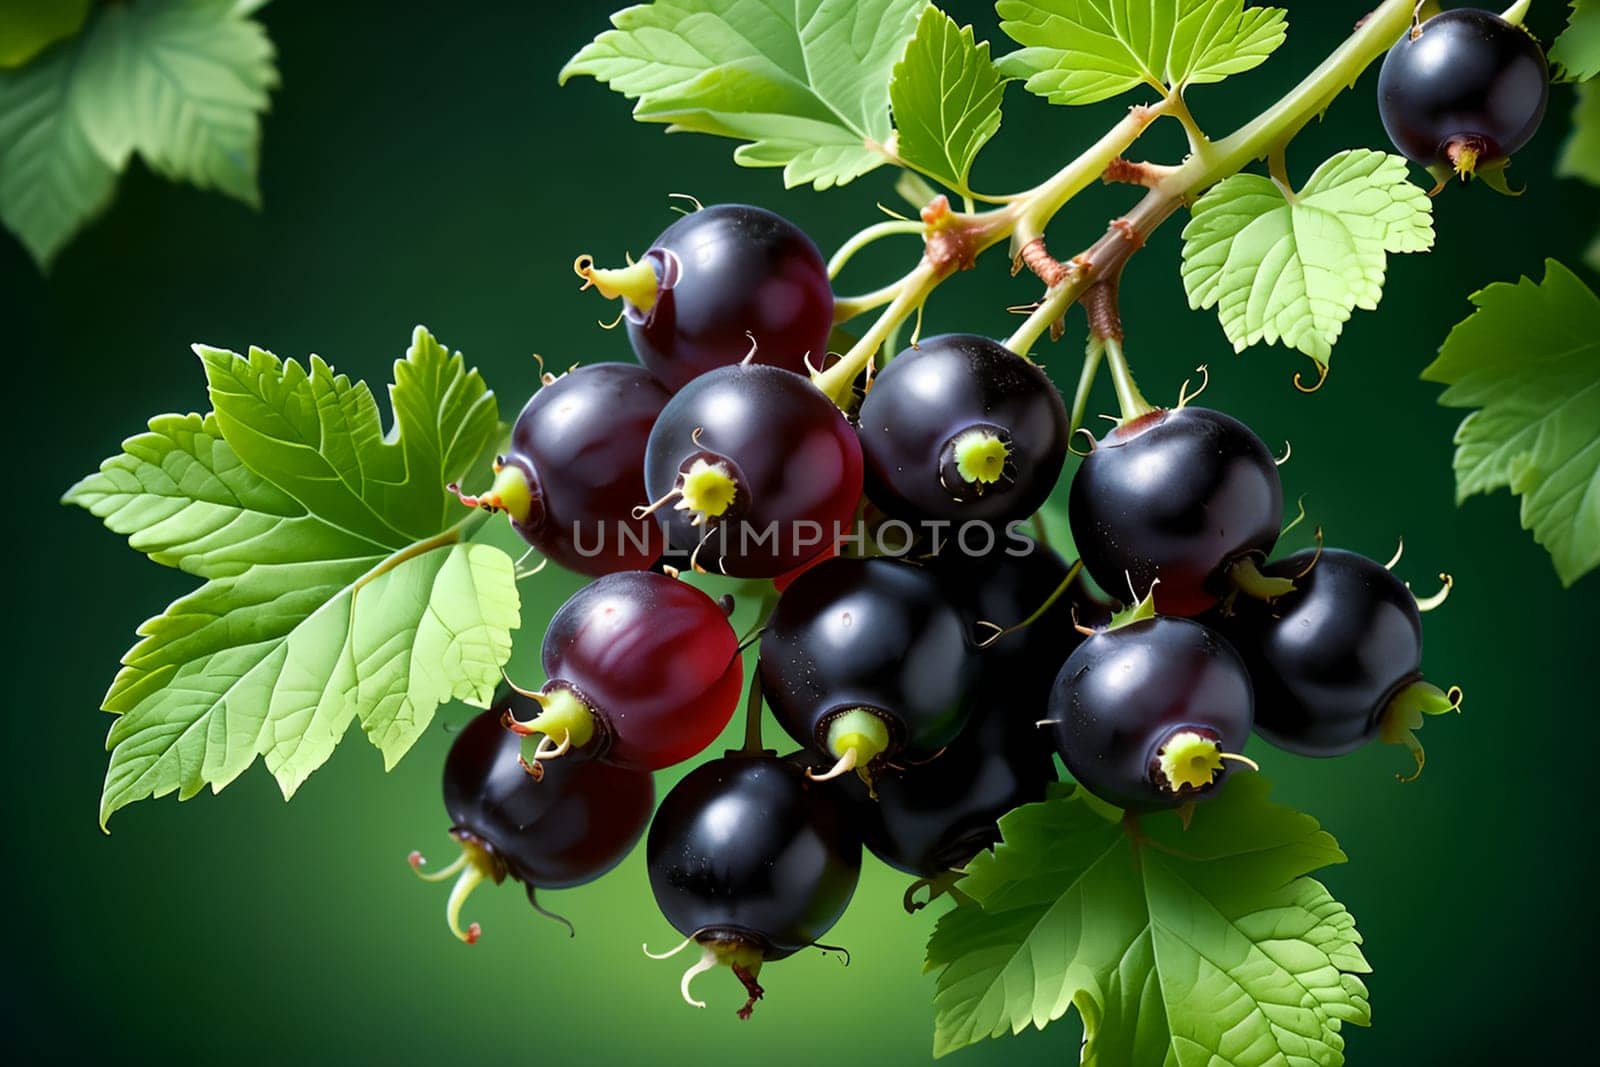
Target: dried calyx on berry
[{"x": 751, "y": 861}]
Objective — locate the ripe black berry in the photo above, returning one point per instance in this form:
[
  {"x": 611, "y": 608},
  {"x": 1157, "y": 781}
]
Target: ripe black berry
[
  {"x": 1176, "y": 495},
  {"x": 1464, "y": 88},
  {"x": 928, "y": 819},
  {"x": 1338, "y": 661},
  {"x": 714, "y": 283},
  {"x": 752, "y": 861},
  {"x": 570, "y": 828},
  {"x": 960, "y": 427},
  {"x": 753, "y": 471},
  {"x": 1024, "y": 635},
  {"x": 573, "y": 475},
  {"x": 1147, "y": 714},
  {"x": 867, "y": 659}
]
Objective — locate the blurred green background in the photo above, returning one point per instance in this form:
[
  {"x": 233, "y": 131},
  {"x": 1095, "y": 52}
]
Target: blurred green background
[{"x": 421, "y": 165}]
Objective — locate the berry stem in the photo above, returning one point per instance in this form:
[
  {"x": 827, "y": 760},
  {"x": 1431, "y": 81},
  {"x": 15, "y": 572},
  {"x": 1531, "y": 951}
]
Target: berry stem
[
  {"x": 1131, "y": 402},
  {"x": 867, "y": 237},
  {"x": 1023, "y": 217},
  {"x": 1092, "y": 356}
]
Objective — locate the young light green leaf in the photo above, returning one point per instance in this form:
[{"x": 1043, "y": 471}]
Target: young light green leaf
[
  {"x": 805, "y": 83},
  {"x": 1291, "y": 267},
  {"x": 51, "y": 179},
  {"x": 1580, "y": 158},
  {"x": 1198, "y": 947},
  {"x": 183, "y": 83},
  {"x": 1085, "y": 51},
  {"x": 946, "y": 97},
  {"x": 181, "y": 496},
  {"x": 340, "y": 587},
  {"x": 1576, "y": 53},
  {"x": 1529, "y": 360}
]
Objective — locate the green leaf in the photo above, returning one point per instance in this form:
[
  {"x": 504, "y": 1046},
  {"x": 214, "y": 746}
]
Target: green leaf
[
  {"x": 1580, "y": 158},
  {"x": 183, "y": 83},
  {"x": 1085, "y": 51},
  {"x": 28, "y": 27},
  {"x": 1189, "y": 948},
  {"x": 51, "y": 179},
  {"x": 339, "y": 585},
  {"x": 1529, "y": 359},
  {"x": 805, "y": 83},
  {"x": 946, "y": 97},
  {"x": 1576, "y": 53},
  {"x": 1292, "y": 268}
]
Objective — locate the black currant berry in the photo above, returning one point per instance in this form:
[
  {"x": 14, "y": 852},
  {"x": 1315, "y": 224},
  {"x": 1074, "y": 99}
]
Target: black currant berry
[
  {"x": 753, "y": 471},
  {"x": 644, "y": 672},
  {"x": 866, "y": 660},
  {"x": 573, "y": 475},
  {"x": 1146, "y": 715},
  {"x": 714, "y": 283},
  {"x": 1463, "y": 89},
  {"x": 960, "y": 427},
  {"x": 1338, "y": 661},
  {"x": 569, "y": 829},
  {"x": 928, "y": 819},
  {"x": 1177, "y": 496},
  {"x": 752, "y": 861},
  {"x": 1024, "y": 622}
]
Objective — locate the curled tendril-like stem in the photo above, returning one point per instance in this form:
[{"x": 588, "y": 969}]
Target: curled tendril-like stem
[
  {"x": 1399, "y": 551},
  {"x": 1185, "y": 398},
  {"x": 845, "y": 765},
  {"x": 1288, "y": 451},
  {"x": 1315, "y": 556},
  {"x": 533, "y": 899},
  {"x": 1093, "y": 443},
  {"x": 695, "y": 200},
  {"x": 843, "y": 952},
  {"x": 1434, "y": 601},
  {"x": 1300, "y": 506},
  {"x": 1322, "y": 378}
]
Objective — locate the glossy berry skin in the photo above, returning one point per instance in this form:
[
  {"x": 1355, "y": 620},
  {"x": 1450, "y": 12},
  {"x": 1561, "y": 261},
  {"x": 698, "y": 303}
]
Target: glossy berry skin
[
  {"x": 928, "y": 819},
  {"x": 1176, "y": 495},
  {"x": 655, "y": 660},
  {"x": 580, "y": 442},
  {"x": 568, "y": 829},
  {"x": 733, "y": 268},
  {"x": 793, "y": 457},
  {"x": 1327, "y": 658},
  {"x": 746, "y": 849},
  {"x": 1468, "y": 76},
  {"x": 1002, "y": 590},
  {"x": 952, "y": 391},
  {"x": 1126, "y": 692},
  {"x": 877, "y": 634}
]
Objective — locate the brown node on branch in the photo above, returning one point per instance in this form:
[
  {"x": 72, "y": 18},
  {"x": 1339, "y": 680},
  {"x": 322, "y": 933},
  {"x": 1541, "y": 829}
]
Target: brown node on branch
[
  {"x": 1038, "y": 259},
  {"x": 1130, "y": 233},
  {"x": 1100, "y": 301},
  {"x": 950, "y": 244},
  {"x": 1122, "y": 171}
]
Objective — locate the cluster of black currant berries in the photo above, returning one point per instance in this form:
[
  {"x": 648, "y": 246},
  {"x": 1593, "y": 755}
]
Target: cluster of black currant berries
[{"x": 917, "y": 685}]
